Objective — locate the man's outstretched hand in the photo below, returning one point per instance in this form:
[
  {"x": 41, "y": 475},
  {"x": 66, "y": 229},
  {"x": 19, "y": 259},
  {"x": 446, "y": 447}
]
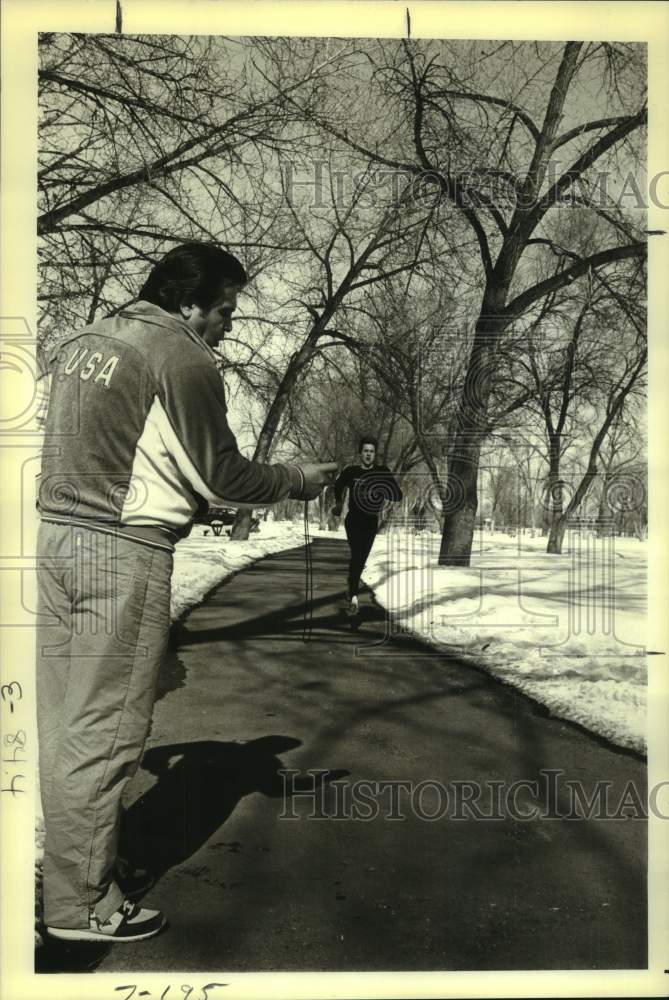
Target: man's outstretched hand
[{"x": 316, "y": 478}]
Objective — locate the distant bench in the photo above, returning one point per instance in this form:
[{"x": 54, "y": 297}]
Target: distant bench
[{"x": 218, "y": 517}]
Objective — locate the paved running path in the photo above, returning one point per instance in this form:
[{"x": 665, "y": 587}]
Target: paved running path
[{"x": 245, "y": 890}]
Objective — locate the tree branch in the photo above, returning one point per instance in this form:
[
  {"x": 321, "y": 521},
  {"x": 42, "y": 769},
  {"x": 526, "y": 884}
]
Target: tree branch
[
  {"x": 557, "y": 281},
  {"x": 586, "y": 127},
  {"x": 464, "y": 95},
  {"x": 627, "y": 125}
]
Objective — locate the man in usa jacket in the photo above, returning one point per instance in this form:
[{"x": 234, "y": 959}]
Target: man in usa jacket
[{"x": 136, "y": 441}]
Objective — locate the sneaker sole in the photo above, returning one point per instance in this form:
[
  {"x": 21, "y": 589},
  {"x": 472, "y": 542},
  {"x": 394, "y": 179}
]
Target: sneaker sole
[{"x": 68, "y": 934}]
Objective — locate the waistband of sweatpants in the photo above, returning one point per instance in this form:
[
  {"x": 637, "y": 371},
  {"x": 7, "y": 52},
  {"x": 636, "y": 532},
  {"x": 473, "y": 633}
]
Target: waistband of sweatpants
[{"x": 145, "y": 534}]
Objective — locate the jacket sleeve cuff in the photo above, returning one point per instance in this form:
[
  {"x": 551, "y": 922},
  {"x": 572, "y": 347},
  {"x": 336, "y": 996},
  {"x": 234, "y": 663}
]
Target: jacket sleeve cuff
[{"x": 296, "y": 482}]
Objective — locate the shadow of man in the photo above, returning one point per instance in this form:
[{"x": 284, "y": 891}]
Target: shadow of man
[{"x": 199, "y": 785}]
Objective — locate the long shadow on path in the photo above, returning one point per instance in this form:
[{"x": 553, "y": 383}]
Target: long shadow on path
[{"x": 399, "y": 883}]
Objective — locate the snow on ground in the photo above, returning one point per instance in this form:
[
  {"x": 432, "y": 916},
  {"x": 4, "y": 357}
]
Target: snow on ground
[
  {"x": 203, "y": 561},
  {"x": 568, "y": 630}
]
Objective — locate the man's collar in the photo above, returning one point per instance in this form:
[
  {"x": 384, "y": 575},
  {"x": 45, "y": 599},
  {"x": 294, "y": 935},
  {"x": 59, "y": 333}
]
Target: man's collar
[{"x": 149, "y": 311}]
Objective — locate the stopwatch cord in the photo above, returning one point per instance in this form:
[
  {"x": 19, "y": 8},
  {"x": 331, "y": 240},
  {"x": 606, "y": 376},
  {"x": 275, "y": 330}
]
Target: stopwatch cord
[{"x": 308, "y": 579}]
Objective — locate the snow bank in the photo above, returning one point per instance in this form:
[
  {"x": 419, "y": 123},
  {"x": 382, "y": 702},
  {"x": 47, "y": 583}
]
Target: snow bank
[
  {"x": 202, "y": 561},
  {"x": 568, "y": 630}
]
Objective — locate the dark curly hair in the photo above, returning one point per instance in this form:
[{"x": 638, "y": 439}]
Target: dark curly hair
[
  {"x": 368, "y": 440},
  {"x": 191, "y": 274}
]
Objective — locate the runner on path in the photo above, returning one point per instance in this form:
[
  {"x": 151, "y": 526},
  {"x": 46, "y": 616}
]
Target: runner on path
[
  {"x": 369, "y": 487},
  {"x": 136, "y": 440}
]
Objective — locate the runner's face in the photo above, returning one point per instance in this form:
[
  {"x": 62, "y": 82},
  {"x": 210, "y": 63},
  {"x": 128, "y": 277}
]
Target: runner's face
[
  {"x": 368, "y": 453},
  {"x": 212, "y": 324}
]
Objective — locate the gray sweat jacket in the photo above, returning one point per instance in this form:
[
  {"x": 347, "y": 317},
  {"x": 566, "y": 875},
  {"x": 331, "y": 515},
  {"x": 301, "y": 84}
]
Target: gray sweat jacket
[{"x": 136, "y": 435}]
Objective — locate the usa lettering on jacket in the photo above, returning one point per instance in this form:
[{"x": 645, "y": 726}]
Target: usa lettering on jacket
[
  {"x": 169, "y": 446},
  {"x": 101, "y": 369}
]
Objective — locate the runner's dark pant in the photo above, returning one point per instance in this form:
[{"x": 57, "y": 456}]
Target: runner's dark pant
[{"x": 361, "y": 533}]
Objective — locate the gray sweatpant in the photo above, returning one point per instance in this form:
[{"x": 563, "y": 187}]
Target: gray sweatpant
[{"x": 103, "y": 607}]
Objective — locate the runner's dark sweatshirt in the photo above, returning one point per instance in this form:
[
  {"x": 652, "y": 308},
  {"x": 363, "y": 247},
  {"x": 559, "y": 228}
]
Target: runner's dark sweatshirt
[{"x": 368, "y": 490}]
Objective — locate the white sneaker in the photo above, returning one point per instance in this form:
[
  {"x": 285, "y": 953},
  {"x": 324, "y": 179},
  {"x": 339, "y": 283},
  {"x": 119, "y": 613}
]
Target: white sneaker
[
  {"x": 128, "y": 923},
  {"x": 353, "y": 608}
]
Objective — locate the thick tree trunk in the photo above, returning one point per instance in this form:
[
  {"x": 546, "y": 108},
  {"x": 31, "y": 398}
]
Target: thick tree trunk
[
  {"x": 462, "y": 489},
  {"x": 241, "y": 526},
  {"x": 555, "y": 500},
  {"x": 557, "y": 533},
  {"x": 459, "y": 523}
]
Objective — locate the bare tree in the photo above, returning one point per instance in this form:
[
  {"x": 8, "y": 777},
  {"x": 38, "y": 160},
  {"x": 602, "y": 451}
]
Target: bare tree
[
  {"x": 348, "y": 250},
  {"x": 530, "y": 461},
  {"x": 623, "y": 479},
  {"x": 415, "y": 346},
  {"x": 146, "y": 142},
  {"x": 580, "y": 346},
  {"x": 339, "y": 402},
  {"x": 491, "y": 126}
]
